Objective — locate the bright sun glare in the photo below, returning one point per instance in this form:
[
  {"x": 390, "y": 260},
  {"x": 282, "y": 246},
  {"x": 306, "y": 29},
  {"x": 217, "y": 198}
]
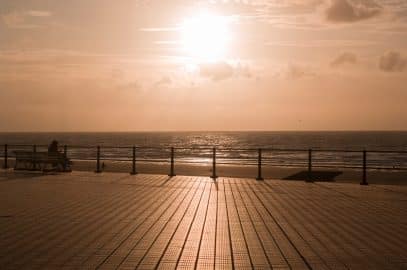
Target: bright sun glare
[{"x": 205, "y": 37}]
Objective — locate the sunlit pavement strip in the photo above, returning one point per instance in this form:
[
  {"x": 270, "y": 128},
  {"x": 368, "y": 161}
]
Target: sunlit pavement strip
[{"x": 117, "y": 221}]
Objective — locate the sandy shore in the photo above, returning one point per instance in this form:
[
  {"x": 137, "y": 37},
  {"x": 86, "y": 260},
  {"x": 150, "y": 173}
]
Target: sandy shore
[{"x": 273, "y": 172}]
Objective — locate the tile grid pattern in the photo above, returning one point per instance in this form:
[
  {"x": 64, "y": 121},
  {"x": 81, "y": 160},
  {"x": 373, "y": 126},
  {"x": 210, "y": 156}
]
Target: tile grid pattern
[{"x": 117, "y": 221}]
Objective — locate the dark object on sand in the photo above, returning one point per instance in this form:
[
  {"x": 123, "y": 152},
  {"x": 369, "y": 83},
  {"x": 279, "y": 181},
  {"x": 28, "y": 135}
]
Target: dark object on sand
[{"x": 321, "y": 176}]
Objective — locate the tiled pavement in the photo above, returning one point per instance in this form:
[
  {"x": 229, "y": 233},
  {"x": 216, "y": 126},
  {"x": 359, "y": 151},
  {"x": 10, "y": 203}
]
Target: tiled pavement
[{"x": 117, "y": 221}]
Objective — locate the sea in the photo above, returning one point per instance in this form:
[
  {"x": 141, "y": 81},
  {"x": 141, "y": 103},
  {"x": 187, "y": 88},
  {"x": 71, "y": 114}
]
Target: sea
[{"x": 279, "y": 148}]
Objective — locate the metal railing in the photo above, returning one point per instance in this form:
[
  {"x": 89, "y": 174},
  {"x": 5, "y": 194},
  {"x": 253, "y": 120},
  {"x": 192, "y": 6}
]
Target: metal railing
[{"x": 259, "y": 157}]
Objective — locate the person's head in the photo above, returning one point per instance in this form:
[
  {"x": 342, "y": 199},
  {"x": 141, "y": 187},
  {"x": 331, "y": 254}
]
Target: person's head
[{"x": 54, "y": 142}]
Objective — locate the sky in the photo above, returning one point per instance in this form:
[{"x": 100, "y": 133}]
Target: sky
[{"x": 153, "y": 65}]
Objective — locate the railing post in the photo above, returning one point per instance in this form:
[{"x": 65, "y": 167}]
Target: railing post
[
  {"x": 214, "y": 176},
  {"x": 259, "y": 176},
  {"x": 364, "y": 173},
  {"x": 309, "y": 176},
  {"x": 5, "y": 157},
  {"x": 171, "y": 174},
  {"x": 134, "y": 171},
  {"x": 34, "y": 157},
  {"x": 65, "y": 156},
  {"x": 98, "y": 170}
]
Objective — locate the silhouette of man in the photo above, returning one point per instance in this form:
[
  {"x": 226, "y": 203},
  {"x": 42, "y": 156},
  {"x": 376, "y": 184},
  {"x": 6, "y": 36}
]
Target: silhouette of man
[
  {"x": 53, "y": 147},
  {"x": 53, "y": 151}
]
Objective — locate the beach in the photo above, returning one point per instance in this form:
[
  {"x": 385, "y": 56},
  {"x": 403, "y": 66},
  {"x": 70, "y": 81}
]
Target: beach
[{"x": 322, "y": 174}]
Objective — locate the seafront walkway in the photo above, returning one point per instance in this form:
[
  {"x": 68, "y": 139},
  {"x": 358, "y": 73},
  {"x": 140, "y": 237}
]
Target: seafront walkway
[{"x": 82, "y": 220}]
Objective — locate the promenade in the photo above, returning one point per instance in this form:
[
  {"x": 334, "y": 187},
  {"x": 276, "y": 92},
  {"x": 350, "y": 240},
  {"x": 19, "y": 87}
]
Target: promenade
[{"x": 83, "y": 220}]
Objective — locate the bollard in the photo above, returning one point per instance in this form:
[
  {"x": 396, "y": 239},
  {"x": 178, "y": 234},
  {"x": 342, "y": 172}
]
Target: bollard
[
  {"x": 259, "y": 176},
  {"x": 134, "y": 171},
  {"x": 5, "y": 157},
  {"x": 171, "y": 174},
  {"x": 98, "y": 170},
  {"x": 364, "y": 174},
  {"x": 214, "y": 176},
  {"x": 309, "y": 176}
]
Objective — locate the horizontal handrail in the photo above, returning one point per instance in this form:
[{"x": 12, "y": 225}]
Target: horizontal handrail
[{"x": 250, "y": 156}]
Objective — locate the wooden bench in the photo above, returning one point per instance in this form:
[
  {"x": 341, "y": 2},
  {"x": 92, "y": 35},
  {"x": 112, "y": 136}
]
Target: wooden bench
[{"x": 41, "y": 161}]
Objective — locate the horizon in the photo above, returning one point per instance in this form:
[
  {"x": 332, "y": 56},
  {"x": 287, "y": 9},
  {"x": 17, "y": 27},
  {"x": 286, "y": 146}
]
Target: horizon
[{"x": 203, "y": 65}]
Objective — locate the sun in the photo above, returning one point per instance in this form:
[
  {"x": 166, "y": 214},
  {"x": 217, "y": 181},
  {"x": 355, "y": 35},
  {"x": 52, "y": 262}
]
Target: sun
[{"x": 205, "y": 37}]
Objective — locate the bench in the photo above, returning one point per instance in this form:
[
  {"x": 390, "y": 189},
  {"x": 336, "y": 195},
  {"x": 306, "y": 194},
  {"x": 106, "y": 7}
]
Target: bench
[{"x": 41, "y": 161}]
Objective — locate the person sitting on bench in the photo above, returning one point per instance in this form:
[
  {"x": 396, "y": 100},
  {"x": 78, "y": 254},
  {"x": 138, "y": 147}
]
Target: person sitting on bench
[{"x": 53, "y": 152}]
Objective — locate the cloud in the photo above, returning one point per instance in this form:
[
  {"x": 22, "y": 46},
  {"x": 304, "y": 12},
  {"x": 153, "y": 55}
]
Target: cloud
[
  {"x": 344, "y": 58},
  {"x": 323, "y": 43},
  {"x": 25, "y": 19},
  {"x": 164, "y": 81},
  {"x": 133, "y": 86},
  {"x": 216, "y": 71},
  {"x": 346, "y": 11},
  {"x": 39, "y": 13},
  {"x": 298, "y": 72},
  {"x": 392, "y": 62},
  {"x": 13, "y": 19}
]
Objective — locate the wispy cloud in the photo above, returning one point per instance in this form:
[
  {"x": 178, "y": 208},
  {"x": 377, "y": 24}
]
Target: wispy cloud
[
  {"x": 325, "y": 43},
  {"x": 25, "y": 19},
  {"x": 218, "y": 71},
  {"x": 159, "y": 29},
  {"x": 39, "y": 13},
  {"x": 163, "y": 82},
  {"x": 392, "y": 62},
  {"x": 344, "y": 58},
  {"x": 296, "y": 71},
  {"x": 346, "y": 11},
  {"x": 311, "y": 14}
]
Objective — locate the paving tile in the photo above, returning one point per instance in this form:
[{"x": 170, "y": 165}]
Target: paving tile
[{"x": 84, "y": 220}]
